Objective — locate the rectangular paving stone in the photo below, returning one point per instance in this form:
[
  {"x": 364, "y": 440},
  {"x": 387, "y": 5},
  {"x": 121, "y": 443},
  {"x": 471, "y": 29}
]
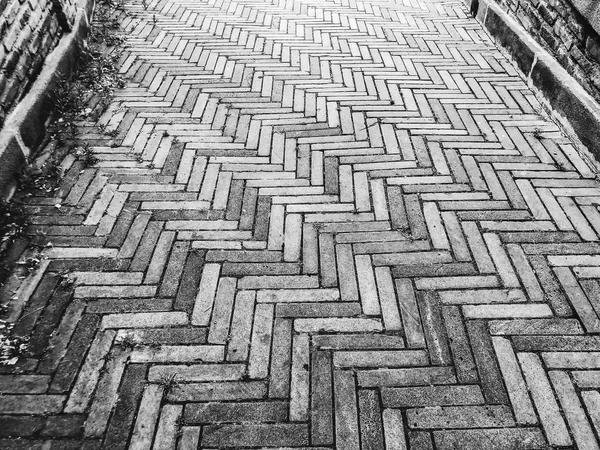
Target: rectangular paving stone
[
  {"x": 313, "y": 309},
  {"x": 197, "y": 372},
  {"x": 342, "y": 325},
  {"x": 149, "y": 409},
  {"x": 370, "y": 419},
  {"x": 466, "y": 371},
  {"x": 206, "y": 294},
  {"x": 409, "y": 310},
  {"x": 200, "y": 413},
  {"x": 480, "y": 296},
  {"x": 358, "y": 341},
  {"x": 218, "y": 391},
  {"x": 346, "y": 414},
  {"x": 402, "y": 397},
  {"x": 241, "y": 326},
  {"x": 261, "y": 341},
  {"x": 460, "y": 417},
  {"x": 321, "y": 406},
  {"x": 259, "y": 268},
  {"x": 19, "y": 426},
  {"x": 145, "y": 320},
  {"x": 179, "y": 353},
  {"x": 297, "y": 295},
  {"x": 492, "y": 439},
  {"x": 586, "y": 378},
  {"x": 112, "y": 291},
  {"x": 24, "y": 384},
  {"x": 405, "y": 377},
  {"x": 456, "y": 282},
  {"x": 398, "y": 358},
  {"x": 31, "y": 404},
  {"x": 190, "y": 280},
  {"x": 299, "y": 384},
  {"x": 536, "y": 326},
  {"x": 251, "y": 435},
  {"x": 281, "y": 359},
  {"x": 279, "y": 282},
  {"x": 571, "y": 360},
  {"x": 556, "y": 343},
  {"x": 498, "y": 311},
  {"x": 393, "y": 427}
]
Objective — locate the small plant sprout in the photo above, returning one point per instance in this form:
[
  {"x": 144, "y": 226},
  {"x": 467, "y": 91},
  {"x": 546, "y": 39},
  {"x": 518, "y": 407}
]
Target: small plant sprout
[
  {"x": 127, "y": 341},
  {"x": 86, "y": 155},
  {"x": 168, "y": 381}
]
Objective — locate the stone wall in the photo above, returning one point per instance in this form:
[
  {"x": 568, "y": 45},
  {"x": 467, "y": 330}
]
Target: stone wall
[
  {"x": 566, "y": 33},
  {"x": 30, "y": 30}
]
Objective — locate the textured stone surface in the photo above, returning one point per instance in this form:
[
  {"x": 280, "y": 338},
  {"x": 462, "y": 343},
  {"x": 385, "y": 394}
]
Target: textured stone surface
[{"x": 340, "y": 225}]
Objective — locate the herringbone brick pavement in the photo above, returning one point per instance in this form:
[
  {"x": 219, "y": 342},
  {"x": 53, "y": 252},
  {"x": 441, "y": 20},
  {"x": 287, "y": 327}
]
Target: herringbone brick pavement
[{"x": 314, "y": 224}]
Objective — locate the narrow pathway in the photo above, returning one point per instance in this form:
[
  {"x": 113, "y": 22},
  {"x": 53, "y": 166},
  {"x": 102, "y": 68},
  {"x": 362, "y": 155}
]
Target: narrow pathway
[{"x": 317, "y": 224}]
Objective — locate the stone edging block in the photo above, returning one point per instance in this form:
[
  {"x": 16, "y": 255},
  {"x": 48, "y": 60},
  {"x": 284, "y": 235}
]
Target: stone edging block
[
  {"x": 576, "y": 109},
  {"x": 25, "y": 126}
]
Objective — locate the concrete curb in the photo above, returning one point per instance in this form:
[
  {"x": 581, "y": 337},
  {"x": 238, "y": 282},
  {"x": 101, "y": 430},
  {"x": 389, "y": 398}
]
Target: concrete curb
[
  {"x": 575, "y": 109},
  {"x": 25, "y": 126}
]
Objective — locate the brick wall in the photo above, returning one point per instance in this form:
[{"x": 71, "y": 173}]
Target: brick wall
[
  {"x": 565, "y": 33},
  {"x": 30, "y": 29}
]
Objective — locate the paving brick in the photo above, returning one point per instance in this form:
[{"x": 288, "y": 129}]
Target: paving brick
[
  {"x": 147, "y": 416},
  {"x": 325, "y": 309},
  {"x": 406, "y": 377},
  {"x": 202, "y": 413},
  {"x": 371, "y": 425},
  {"x": 345, "y": 406},
  {"x": 63, "y": 425},
  {"x": 556, "y": 343},
  {"x": 358, "y": 341},
  {"x": 20, "y": 426},
  {"x": 431, "y": 396},
  {"x": 415, "y": 335},
  {"x": 536, "y": 326},
  {"x": 494, "y": 439},
  {"x": 321, "y": 410},
  {"x": 466, "y": 370},
  {"x": 179, "y": 354},
  {"x": 144, "y": 320},
  {"x": 190, "y": 279},
  {"x": 24, "y": 384},
  {"x": 252, "y": 435},
  {"x": 460, "y": 417},
  {"x": 571, "y": 360},
  {"x": 348, "y": 325},
  {"x": 206, "y": 392}
]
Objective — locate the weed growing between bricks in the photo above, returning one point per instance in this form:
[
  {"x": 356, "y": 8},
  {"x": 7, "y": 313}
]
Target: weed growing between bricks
[{"x": 84, "y": 96}]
